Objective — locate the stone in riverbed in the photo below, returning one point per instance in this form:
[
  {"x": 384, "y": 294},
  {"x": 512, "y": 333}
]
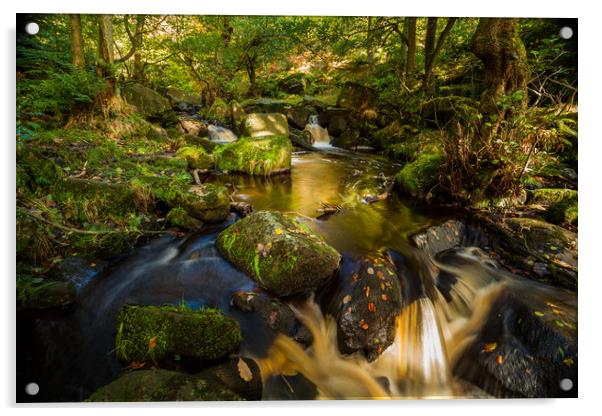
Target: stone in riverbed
[
  {"x": 524, "y": 349},
  {"x": 204, "y": 334},
  {"x": 281, "y": 254},
  {"x": 196, "y": 156},
  {"x": 178, "y": 217},
  {"x": 365, "y": 310},
  {"x": 156, "y": 385},
  {"x": 206, "y": 202},
  {"x": 562, "y": 204},
  {"x": 255, "y": 156},
  {"x": 419, "y": 177},
  {"x": 192, "y": 126},
  {"x": 149, "y": 103},
  {"x": 262, "y": 124},
  {"x": 37, "y": 294}
]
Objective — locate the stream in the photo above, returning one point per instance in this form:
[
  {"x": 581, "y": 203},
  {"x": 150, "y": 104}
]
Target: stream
[{"x": 70, "y": 354}]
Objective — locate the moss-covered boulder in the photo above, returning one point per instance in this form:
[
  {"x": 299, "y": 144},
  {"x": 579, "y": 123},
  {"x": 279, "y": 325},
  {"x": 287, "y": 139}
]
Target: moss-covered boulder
[
  {"x": 196, "y": 157},
  {"x": 35, "y": 293},
  {"x": 336, "y": 120},
  {"x": 281, "y": 254},
  {"x": 418, "y": 177},
  {"x": 548, "y": 250},
  {"x": 148, "y": 102},
  {"x": 219, "y": 110},
  {"x": 262, "y": 124},
  {"x": 161, "y": 385},
  {"x": 206, "y": 202},
  {"x": 158, "y": 333},
  {"x": 178, "y": 217},
  {"x": 263, "y": 156},
  {"x": 562, "y": 204},
  {"x": 298, "y": 116},
  {"x": 238, "y": 113}
]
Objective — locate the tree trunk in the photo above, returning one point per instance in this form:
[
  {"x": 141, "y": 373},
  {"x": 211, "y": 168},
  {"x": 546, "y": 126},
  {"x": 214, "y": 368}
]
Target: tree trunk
[
  {"x": 410, "y": 32},
  {"x": 429, "y": 85},
  {"x": 138, "y": 64},
  {"x": 252, "y": 76},
  {"x": 429, "y": 49},
  {"x": 105, "y": 53},
  {"x": 497, "y": 43},
  {"x": 369, "y": 48},
  {"x": 77, "y": 41}
]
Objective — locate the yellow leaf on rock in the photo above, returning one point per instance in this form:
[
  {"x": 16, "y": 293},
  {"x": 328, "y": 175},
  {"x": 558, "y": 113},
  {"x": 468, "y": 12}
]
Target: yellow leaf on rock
[
  {"x": 244, "y": 371},
  {"x": 278, "y": 231}
]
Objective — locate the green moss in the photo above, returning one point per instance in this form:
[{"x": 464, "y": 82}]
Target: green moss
[
  {"x": 282, "y": 255},
  {"x": 162, "y": 385},
  {"x": 420, "y": 176},
  {"x": 196, "y": 157},
  {"x": 205, "y": 334},
  {"x": 562, "y": 204},
  {"x": 263, "y": 156},
  {"x": 180, "y": 218}
]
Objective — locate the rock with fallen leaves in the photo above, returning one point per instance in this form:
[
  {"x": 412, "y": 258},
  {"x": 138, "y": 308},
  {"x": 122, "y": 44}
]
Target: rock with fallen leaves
[
  {"x": 366, "y": 305},
  {"x": 279, "y": 252},
  {"x": 158, "y": 333},
  {"x": 156, "y": 385},
  {"x": 239, "y": 374},
  {"x": 524, "y": 348}
]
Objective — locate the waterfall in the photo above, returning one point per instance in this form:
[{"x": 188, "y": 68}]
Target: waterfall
[
  {"x": 318, "y": 134},
  {"x": 221, "y": 134}
]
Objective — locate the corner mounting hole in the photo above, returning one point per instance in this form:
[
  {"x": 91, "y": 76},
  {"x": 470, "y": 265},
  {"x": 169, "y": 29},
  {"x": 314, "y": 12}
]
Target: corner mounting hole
[
  {"x": 32, "y": 389},
  {"x": 32, "y": 28},
  {"x": 566, "y": 32},
  {"x": 566, "y": 384}
]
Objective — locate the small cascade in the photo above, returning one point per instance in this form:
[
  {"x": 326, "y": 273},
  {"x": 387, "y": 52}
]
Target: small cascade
[
  {"x": 221, "y": 134},
  {"x": 318, "y": 134}
]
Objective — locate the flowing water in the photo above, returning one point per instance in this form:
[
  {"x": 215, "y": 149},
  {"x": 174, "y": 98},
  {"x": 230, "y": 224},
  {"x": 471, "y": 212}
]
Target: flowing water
[
  {"x": 221, "y": 134},
  {"x": 446, "y": 301},
  {"x": 318, "y": 133}
]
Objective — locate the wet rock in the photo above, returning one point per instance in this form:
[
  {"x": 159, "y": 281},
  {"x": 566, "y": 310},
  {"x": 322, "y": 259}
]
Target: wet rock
[
  {"x": 161, "y": 385},
  {"x": 148, "y": 102},
  {"x": 451, "y": 234},
  {"x": 182, "y": 100},
  {"x": 196, "y": 157},
  {"x": 158, "y": 333},
  {"x": 525, "y": 241},
  {"x": 357, "y": 98},
  {"x": 523, "y": 350},
  {"x": 36, "y": 294},
  {"x": 193, "y": 127},
  {"x": 77, "y": 270},
  {"x": 561, "y": 204},
  {"x": 261, "y": 125},
  {"x": 336, "y": 120},
  {"x": 299, "y": 115},
  {"x": 178, "y": 217},
  {"x": 367, "y": 305},
  {"x": 348, "y": 139},
  {"x": 262, "y": 156},
  {"x": 280, "y": 253},
  {"x": 241, "y": 208},
  {"x": 274, "y": 313},
  {"x": 418, "y": 178},
  {"x": 241, "y": 375}
]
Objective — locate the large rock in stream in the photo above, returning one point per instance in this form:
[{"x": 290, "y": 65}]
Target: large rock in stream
[
  {"x": 262, "y": 124},
  {"x": 159, "y": 333},
  {"x": 366, "y": 305},
  {"x": 182, "y": 100},
  {"x": 255, "y": 156},
  {"x": 524, "y": 349},
  {"x": 157, "y": 385},
  {"x": 280, "y": 253}
]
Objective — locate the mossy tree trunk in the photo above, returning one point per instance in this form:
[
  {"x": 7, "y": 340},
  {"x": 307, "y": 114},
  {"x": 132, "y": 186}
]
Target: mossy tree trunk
[
  {"x": 497, "y": 43},
  {"x": 432, "y": 48},
  {"x": 104, "y": 66},
  {"x": 77, "y": 41},
  {"x": 410, "y": 34}
]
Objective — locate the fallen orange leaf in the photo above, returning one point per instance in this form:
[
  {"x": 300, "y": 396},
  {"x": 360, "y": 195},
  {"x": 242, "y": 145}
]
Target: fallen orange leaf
[{"x": 152, "y": 343}]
